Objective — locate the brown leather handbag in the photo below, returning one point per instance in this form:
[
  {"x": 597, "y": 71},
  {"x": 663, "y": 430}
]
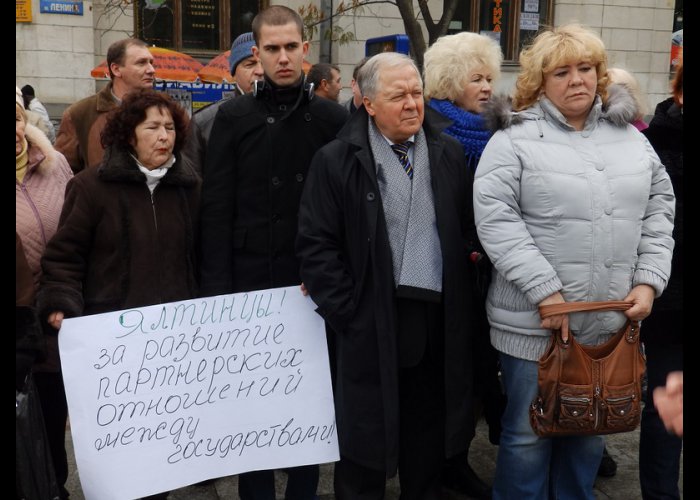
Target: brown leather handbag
[{"x": 589, "y": 389}]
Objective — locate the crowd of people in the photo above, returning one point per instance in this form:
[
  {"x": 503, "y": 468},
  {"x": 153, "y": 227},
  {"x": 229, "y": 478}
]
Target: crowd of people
[{"x": 426, "y": 217}]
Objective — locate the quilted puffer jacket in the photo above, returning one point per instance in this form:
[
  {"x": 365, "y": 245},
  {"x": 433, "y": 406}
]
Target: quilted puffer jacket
[{"x": 589, "y": 214}]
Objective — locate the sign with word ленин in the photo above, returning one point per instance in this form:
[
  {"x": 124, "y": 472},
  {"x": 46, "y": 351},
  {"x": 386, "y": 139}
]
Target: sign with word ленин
[
  {"x": 172, "y": 394},
  {"x": 72, "y": 7}
]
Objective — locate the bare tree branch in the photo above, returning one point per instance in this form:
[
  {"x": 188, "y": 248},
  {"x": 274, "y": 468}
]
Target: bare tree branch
[
  {"x": 427, "y": 16},
  {"x": 448, "y": 13},
  {"x": 410, "y": 21},
  {"x": 342, "y": 9}
]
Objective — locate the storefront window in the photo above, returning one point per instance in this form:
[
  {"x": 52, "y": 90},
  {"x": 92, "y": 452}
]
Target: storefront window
[
  {"x": 512, "y": 23},
  {"x": 194, "y": 26},
  {"x": 493, "y": 21},
  {"x": 242, "y": 17},
  {"x": 156, "y": 23},
  {"x": 200, "y": 24}
]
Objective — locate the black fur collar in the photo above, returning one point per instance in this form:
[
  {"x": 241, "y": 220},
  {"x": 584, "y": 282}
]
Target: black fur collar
[{"x": 119, "y": 166}]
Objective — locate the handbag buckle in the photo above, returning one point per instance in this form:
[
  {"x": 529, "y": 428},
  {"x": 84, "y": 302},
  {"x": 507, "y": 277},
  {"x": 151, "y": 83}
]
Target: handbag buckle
[
  {"x": 633, "y": 331},
  {"x": 538, "y": 405}
]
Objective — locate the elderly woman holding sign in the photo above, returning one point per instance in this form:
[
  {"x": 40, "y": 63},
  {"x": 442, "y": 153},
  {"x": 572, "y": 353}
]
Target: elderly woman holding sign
[{"x": 126, "y": 237}]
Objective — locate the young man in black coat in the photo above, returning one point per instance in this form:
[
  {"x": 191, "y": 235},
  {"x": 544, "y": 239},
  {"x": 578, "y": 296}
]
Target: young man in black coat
[
  {"x": 385, "y": 230},
  {"x": 259, "y": 151}
]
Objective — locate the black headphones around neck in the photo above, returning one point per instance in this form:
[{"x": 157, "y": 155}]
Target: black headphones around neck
[{"x": 261, "y": 88}]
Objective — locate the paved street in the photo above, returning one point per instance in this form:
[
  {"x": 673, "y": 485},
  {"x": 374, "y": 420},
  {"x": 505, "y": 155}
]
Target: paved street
[{"x": 623, "y": 486}]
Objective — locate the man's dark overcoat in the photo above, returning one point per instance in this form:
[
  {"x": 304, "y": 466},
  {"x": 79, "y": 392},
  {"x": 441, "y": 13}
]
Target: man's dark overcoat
[
  {"x": 346, "y": 265},
  {"x": 256, "y": 165}
]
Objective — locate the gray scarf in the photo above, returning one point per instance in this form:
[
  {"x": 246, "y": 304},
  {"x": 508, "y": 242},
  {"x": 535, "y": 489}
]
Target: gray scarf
[{"x": 410, "y": 215}]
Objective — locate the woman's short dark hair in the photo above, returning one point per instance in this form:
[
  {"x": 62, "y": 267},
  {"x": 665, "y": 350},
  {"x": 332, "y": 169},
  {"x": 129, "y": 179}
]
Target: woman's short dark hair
[{"x": 120, "y": 129}]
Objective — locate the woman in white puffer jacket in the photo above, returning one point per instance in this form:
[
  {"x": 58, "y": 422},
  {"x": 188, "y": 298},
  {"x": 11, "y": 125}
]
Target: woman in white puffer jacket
[{"x": 571, "y": 204}]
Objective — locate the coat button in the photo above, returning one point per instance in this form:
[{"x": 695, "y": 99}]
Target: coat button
[
  {"x": 370, "y": 196},
  {"x": 276, "y": 218},
  {"x": 608, "y": 262},
  {"x": 608, "y": 211},
  {"x": 275, "y": 181},
  {"x": 600, "y": 166},
  {"x": 300, "y": 177},
  {"x": 270, "y": 119},
  {"x": 307, "y": 117}
]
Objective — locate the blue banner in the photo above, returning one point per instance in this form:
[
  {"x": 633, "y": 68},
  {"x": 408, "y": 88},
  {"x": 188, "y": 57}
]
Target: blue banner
[
  {"x": 202, "y": 93},
  {"x": 74, "y": 8}
]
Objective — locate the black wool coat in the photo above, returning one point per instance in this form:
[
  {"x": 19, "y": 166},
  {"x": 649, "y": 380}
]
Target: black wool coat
[
  {"x": 665, "y": 133},
  {"x": 346, "y": 265},
  {"x": 256, "y": 165},
  {"x": 117, "y": 246}
]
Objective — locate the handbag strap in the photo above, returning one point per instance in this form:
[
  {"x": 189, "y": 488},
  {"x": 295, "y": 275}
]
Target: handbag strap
[{"x": 571, "y": 307}]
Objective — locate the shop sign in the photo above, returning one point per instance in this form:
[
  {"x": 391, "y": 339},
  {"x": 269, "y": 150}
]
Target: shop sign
[
  {"x": 74, "y": 8},
  {"x": 23, "y": 11}
]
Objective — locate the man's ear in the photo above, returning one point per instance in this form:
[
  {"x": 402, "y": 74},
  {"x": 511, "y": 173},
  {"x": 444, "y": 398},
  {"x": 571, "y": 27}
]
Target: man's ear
[
  {"x": 368, "y": 106},
  {"x": 256, "y": 51},
  {"x": 115, "y": 69}
]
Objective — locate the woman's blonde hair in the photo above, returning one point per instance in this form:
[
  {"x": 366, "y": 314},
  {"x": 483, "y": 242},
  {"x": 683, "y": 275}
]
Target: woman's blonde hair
[
  {"x": 21, "y": 111},
  {"x": 626, "y": 79},
  {"x": 571, "y": 43},
  {"x": 449, "y": 62}
]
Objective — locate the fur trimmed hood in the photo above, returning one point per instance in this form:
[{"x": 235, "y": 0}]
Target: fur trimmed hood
[
  {"x": 619, "y": 109},
  {"x": 41, "y": 153},
  {"x": 498, "y": 113}
]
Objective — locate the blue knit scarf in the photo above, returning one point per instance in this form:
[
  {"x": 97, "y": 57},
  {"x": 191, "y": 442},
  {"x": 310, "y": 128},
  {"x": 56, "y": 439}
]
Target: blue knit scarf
[{"x": 468, "y": 128}]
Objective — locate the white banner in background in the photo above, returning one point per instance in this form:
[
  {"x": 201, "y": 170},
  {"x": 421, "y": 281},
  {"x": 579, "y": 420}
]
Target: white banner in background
[{"x": 172, "y": 394}]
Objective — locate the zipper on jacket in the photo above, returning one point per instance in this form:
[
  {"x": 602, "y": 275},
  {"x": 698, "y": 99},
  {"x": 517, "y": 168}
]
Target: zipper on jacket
[
  {"x": 155, "y": 243},
  {"x": 36, "y": 212},
  {"x": 153, "y": 207}
]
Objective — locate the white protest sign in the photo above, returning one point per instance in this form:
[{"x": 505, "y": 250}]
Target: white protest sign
[{"x": 172, "y": 394}]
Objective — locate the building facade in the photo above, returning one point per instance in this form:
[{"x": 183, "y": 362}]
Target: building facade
[{"x": 55, "y": 50}]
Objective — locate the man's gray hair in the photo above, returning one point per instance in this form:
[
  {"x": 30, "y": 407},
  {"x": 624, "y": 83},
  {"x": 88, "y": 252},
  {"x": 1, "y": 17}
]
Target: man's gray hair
[{"x": 368, "y": 76}]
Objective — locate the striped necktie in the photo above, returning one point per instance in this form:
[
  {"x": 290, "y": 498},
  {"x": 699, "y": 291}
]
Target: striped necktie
[{"x": 401, "y": 151}]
